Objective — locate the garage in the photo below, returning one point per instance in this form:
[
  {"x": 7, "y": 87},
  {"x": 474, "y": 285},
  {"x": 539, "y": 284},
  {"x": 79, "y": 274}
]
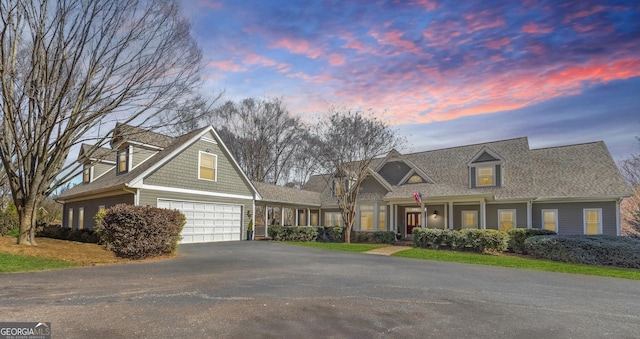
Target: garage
[{"x": 207, "y": 222}]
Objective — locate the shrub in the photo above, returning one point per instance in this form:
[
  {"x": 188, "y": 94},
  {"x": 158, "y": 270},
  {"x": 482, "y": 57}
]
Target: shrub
[
  {"x": 480, "y": 241},
  {"x": 61, "y": 233},
  {"x": 517, "y": 236},
  {"x": 378, "y": 237},
  {"x": 293, "y": 233},
  {"x": 330, "y": 234},
  {"x": 139, "y": 232},
  {"x": 8, "y": 222},
  {"x": 586, "y": 249}
]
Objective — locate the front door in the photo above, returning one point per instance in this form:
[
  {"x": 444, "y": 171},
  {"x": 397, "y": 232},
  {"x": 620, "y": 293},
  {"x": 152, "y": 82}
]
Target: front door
[{"x": 413, "y": 220}]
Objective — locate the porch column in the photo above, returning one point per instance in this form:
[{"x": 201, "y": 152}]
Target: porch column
[
  {"x": 296, "y": 219},
  {"x": 529, "y": 214},
  {"x": 266, "y": 221},
  {"x": 423, "y": 216},
  {"x": 308, "y": 217},
  {"x": 281, "y": 215},
  {"x": 253, "y": 217},
  {"x": 395, "y": 217},
  {"x": 618, "y": 231},
  {"x": 483, "y": 213},
  {"x": 450, "y": 214}
]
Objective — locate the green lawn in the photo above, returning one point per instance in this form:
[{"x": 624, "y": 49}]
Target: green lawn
[
  {"x": 23, "y": 263},
  {"x": 501, "y": 260},
  {"x": 338, "y": 246}
]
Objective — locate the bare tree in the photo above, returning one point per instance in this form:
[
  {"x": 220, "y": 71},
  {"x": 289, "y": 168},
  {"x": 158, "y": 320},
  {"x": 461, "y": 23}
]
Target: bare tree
[
  {"x": 263, "y": 137},
  {"x": 630, "y": 207},
  {"x": 68, "y": 66},
  {"x": 348, "y": 142}
]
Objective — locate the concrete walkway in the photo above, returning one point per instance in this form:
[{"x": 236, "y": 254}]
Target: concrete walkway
[{"x": 388, "y": 250}]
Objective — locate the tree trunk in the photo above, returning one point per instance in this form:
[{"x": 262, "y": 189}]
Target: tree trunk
[
  {"x": 27, "y": 224},
  {"x": 347, "y": 234}
]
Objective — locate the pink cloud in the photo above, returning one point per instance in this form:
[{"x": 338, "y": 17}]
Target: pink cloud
[
  {"x": 336, "y": 59},
  {"x": 226, "y": 65},
  {"x": 395, "y": 38},
  {"x": 534, "y": 28},
  {"x": 255, "y": 59},
  {"x": 483, "y": 20},
  {"x": 297, "y": 46},
  {"x": 585, "y": 13},
  {"x": 497, "y": 44}
]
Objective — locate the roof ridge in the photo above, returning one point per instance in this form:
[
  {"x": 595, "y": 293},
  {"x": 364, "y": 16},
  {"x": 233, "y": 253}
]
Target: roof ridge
[{"x": 569, "y": 145}]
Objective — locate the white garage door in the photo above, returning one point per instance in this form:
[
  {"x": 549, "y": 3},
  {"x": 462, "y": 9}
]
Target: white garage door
[{"x": 207, "y": 222}]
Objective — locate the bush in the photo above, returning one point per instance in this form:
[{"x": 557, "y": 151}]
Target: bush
[
  {"x": 293, "y": 233},
  {"x": 481, "y": 241},
  {"x": 604, "y": 250},
  {"x": 8, "y": 222},
  {"x": 61, "y": 233},
  {"x": 517, "y": 236},
  {"x": 138, "y": 232},
  {"x": 378, "y": 237},
  {"x": 330, "y": 234}
]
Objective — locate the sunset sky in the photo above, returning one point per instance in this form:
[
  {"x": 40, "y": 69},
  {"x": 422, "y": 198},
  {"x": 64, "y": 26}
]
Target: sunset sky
[{"x": 445, "y": 73}]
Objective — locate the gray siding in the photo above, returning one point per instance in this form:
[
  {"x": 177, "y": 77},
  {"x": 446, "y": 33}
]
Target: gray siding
[
  {"x": 182, "y": 172},
  {"x": 150, "y": 198},
  {"x": 438, "y": 221},
  {"x": 91, "y": 208},
  {"x": 492, "y": 214},
  {"x": 100, "y": 169},
  {"x": 394, "y": 171},
  {"x": 485, "y": 157},
  {"x": 140, "y": 155},
  {"x": 571, "y": 216}
]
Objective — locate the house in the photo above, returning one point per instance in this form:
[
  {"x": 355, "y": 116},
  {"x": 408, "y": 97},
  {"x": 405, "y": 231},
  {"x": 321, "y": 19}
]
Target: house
[
  {"x": 574, "y": 189},
  {"x": 194, "y": 173}
]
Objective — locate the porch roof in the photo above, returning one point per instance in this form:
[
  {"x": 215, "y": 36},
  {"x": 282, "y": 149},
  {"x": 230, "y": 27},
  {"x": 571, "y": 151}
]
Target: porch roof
[{"x": 286, "y": 195}]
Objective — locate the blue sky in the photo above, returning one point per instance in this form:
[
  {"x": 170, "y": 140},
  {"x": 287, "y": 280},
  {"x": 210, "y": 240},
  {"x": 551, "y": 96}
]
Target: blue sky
[{"x": 444, "y": 73}]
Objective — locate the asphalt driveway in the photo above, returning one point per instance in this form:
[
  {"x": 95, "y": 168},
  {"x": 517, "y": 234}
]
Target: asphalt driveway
[{"x": 271, "y": 290}]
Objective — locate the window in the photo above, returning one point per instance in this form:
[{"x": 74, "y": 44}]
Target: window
[
  {"x": 414, "y": 179},
  {"x": 506, "y": 219},
  {"x": 123, "y": 160},
  {"x": 366, "y": 217},
  {"x": 485, "y": 176},
  {"x": 207, "y": 164},
  {"x": 86, "y": 174},
  {"x": 80, "y": 218},
  {"x": 550, "y": 220},
  {"x": 332, "y": 219},
  {"x": 469, "y": 219},
  {"x": 314, "y": 219},
  {"x": 70, "y": 218},
  {"x": 101, "y": 208},
  {"x": 382, "y": 218},
  {"x": 592, "y": 221}
]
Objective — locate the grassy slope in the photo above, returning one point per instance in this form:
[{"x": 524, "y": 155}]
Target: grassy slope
[{"x": 23, "y": 263}]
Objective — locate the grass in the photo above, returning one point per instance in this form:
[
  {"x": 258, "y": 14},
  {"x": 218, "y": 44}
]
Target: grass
[
  {"x": 501, "y": 260},
  {"x": 338, "y": 246},
  {"x": 23, "y": 263}
]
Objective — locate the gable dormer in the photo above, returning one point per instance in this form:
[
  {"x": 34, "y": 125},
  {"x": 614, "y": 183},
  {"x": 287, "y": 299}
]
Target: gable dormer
[
  {"x": 135, "y": 145},
  {"x": 485, "y": 169},
  {"x": 95, "y": 161},
  {"x": 397, "y": 170}
]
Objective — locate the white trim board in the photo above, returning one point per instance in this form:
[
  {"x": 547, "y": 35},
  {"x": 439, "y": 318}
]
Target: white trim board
[{"x": 196, "y": 192}]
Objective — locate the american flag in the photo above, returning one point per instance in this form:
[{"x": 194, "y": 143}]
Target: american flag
[{"x": 418, "y": 198}]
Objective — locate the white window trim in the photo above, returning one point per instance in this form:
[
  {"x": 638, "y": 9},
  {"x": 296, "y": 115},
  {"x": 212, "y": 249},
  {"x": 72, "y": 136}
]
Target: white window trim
[
  {"x": 90, "y": 168},
  {"x": 555, "y": 212},
  {"x": 515, "y": 220},
  {"x": 584, "y": 219},
  {"x": 128, "y": 160},
  {"x": 475, "y": 215},
  {"x": 493, "y": 172},
  {"x": 215, "y": 166}
]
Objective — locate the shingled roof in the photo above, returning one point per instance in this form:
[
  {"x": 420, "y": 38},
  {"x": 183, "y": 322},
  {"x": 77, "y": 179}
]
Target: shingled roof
[
  {"x": 91, "y": 153},
  {"x": 287, "y": 195},
  {"x": 127, "y": 133},
  {"x": 111, "y": 181}
]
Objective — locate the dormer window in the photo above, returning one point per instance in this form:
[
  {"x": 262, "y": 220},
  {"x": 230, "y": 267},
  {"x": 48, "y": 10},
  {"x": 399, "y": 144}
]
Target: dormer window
[
  {"x": 123, "y": 160},
  {"x": 485, "y": 176},
  {"x": 414, "y": 179},
  {"x": 485, "y": 169},
  {"x": 86, "y": 174}
]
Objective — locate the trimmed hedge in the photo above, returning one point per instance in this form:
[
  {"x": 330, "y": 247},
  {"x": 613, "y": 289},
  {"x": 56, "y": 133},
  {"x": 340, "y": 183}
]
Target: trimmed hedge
[
  {"x": 378, "y": 237},
  {"x": 481, "y": 241},
  {"x": 517, "y": 236},
  {"x": 326, "y": 234},
  {"x": 138, "y": 232},
  {"x": 604, "y": 250},
  {"x": 62, "y": 233}
]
